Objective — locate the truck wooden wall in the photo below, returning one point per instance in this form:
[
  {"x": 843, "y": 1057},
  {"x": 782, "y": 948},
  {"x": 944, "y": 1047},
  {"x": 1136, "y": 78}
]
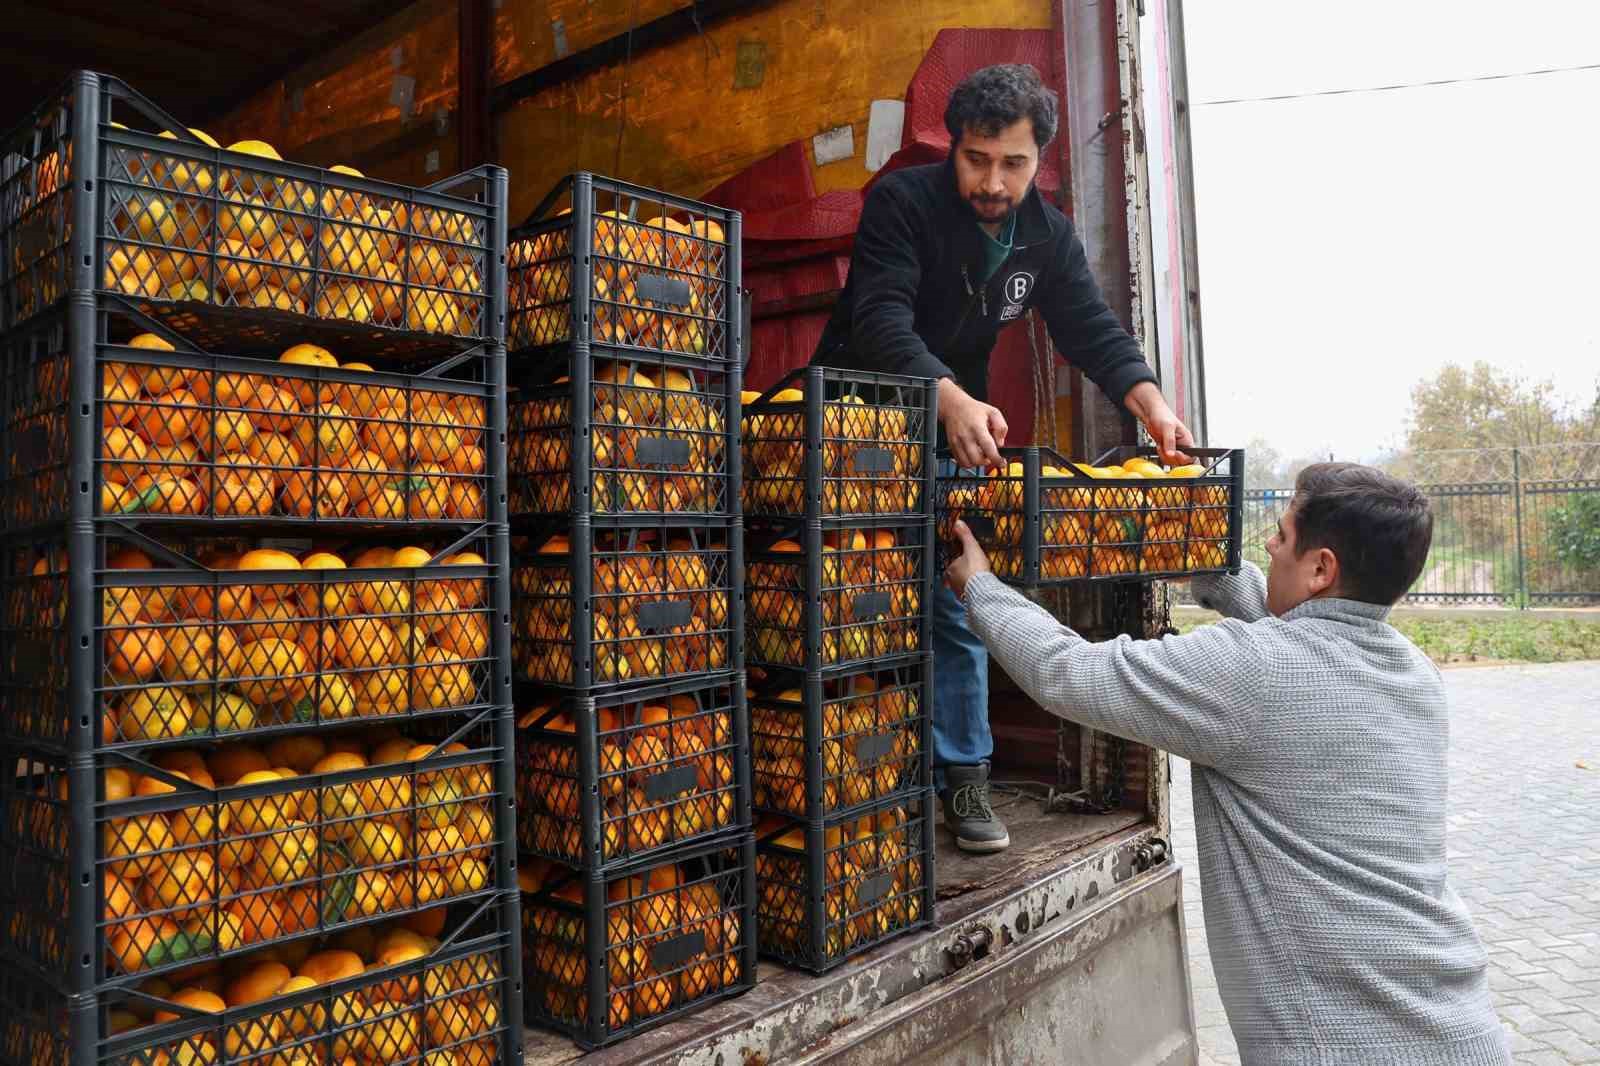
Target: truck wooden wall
[{"x": 684, "y": 116}]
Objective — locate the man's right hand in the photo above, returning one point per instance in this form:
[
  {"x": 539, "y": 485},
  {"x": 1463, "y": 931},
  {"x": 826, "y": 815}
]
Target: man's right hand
[{"x": 974, "y": 430}]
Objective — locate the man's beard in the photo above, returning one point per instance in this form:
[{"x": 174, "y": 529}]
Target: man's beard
[{"x": 991, "y": 210}]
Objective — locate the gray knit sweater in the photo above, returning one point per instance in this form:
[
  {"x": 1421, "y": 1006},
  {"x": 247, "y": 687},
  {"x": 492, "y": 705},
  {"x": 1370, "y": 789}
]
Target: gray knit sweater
[{"x": 1318, "y": 741}]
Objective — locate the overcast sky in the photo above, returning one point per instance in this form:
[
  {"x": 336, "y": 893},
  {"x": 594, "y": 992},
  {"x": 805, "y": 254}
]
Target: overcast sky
[{"x": 1352, "y": 245}]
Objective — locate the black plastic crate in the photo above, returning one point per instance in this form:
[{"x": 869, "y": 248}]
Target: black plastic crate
[
  {"x": 399, "y": 992},
  {"x": 613, "y": 781},
  {"x": 823, "y": 745},
  {"x": 221, "y": 244},
  {"x": 169, "y": 435},
  {"x": 641, "y": 436},
  {"x": 226, "y": 639},
  {"x": 617, "y": 266},
  {"x": 819, "y": 599},
  {"x": 826, "y": 443},
  {"x": 1049, "y": 521},
  {"x": 830, "y": 890},
  {"x": 195, "y": 855},
  {"x": 641, "y": 605},
  {"x": 653, "y": 942}
]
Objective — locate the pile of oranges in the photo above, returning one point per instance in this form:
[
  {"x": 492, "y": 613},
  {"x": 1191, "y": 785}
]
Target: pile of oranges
[
  {"x": 657, "y": 443},
  {"x": 213, "y": 875},
  {"x": 873, "y": 869},
  {"x": 871, "y": 598},
  {"x": 452, "y": 1006},
  {"x": 1147, "y": 519},
  {"x": 658, "y": 611},
  {"x": 205, "y": 442},
  {"x": 672, "y": 906},
  {"x": 188, "y": 230},
  {"x": 871, "y": 742},
  {"x": 872, "y": 456},
  {"x": 656, "y": 284},
  {"x": 666, "y": 776},
  {"x": 231, "y": 654}
]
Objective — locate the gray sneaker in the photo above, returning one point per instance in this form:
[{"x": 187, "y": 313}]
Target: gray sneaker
[{"x": 967, "y": 813}]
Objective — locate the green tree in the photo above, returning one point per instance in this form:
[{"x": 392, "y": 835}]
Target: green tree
[{"x": 1466, "y": 410}]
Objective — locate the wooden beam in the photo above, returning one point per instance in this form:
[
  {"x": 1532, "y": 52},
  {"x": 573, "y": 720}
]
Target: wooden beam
[
  {"x": 474, "y": 74},
  {"x": 652, "y": 34},
  {"x": 157, "y": 28}
]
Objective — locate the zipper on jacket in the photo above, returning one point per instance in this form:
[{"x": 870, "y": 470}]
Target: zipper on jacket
[{"x": 972, "y": 298}]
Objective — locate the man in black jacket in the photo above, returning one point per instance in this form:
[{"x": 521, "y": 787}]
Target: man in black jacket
[{"x": 945, "y": 257}]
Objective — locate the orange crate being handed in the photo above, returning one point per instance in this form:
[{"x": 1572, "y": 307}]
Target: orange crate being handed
[
  {"x": 669, "y": 765},
  {"x": 842, "y": 443},
  {"x": 1045, "y": 520},
  {"x": 822, "y": 744},
  {"x": 659, "y": 599},
  {"x": 183, "y": 227},
  {"x": 434, "y": 987},
  {"x": 679, "y": 935},
  {"x": 302, "y": 439},
  {"x": 659, "y": 439},
  {"x": 249, "y": 640},
  {"x": 829, "y": 890},
  {"x": 633, "y": 268},
  {"x": 207, "y": 854},
  {"x": 862, "y": 596}
]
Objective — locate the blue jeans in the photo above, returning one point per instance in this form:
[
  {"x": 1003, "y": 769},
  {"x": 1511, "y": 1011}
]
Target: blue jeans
[{"x": 961, "y": 734}]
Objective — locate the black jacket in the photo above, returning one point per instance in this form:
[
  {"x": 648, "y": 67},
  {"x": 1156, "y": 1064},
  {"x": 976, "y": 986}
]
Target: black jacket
[{"x": 913, "y": 305}]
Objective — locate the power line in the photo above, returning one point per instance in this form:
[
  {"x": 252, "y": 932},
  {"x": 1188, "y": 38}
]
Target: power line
[{"x": 1403, "y": 85}]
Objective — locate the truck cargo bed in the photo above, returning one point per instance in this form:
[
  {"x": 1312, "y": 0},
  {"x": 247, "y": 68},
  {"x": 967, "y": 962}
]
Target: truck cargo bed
[{"x": 1058, "y": 864}]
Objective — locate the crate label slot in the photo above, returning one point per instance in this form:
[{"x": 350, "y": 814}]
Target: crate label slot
[
  {"x": 662, "y": 289},
  {"x": 673, "y": 782},
  {"x": 661, "y": 451},
  {"x": 872, "y": 889},
  {"x": 670, "y": 954},
  {"x": 982, "y": 526},
  {"x": 32, "y": 446},
  {"x": 875, "y": 746},
  {"x": 870, "y": 604},
  {"x": 660, "y": 615},
  {"x": 873, "y": 461}
]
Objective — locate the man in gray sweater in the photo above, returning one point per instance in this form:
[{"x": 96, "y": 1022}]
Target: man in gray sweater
[{"x": 1318, "y": 736}]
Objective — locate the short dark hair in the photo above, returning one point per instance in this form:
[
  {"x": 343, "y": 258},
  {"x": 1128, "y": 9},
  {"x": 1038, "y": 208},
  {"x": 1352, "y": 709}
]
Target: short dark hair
[
  {"x": 1378, "y": 526},
  {"x": 989, "y": 100}
]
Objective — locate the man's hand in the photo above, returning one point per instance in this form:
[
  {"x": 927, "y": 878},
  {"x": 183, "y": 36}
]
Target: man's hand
[
  {"x": 1147, "y": 404},
  {"x": 974, "y": 430},
  {"x": 970, "y": 561}
]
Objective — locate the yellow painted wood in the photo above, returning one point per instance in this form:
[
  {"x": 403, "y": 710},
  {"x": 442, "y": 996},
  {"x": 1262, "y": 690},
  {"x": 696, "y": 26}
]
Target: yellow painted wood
[{"x": 688, "y": 128}]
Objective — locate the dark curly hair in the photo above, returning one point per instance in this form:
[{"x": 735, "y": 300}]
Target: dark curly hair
[{"x": 989, "y": 100}]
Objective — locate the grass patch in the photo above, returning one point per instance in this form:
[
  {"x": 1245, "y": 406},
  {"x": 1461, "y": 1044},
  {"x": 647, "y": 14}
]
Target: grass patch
[{"x": 1517, "y": 638}]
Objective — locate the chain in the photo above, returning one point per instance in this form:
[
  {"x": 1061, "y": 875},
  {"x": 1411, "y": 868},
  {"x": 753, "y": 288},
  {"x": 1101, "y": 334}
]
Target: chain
[{"x": 1044, "y": 391}]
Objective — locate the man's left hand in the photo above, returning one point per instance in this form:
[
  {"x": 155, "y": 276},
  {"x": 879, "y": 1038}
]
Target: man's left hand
[
  {"x": 971, "y": 561},
  {"x": 1147, "y": 404}
]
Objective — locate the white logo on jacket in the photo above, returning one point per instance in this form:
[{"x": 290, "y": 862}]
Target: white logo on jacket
[{"x": 1016, "y": 290}]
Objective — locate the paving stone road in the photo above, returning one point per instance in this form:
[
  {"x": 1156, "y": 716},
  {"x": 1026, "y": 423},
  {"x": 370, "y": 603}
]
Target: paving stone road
[{"x": 1524, "y": 848}]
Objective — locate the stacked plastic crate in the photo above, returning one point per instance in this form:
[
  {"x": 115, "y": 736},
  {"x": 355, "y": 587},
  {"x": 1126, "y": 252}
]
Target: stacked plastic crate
[
  {"x": 838, "y": 496},
  {"x": 255, "y": 717},
  {"x": 1048, "y": 521},
  {"x": 634, "y": 799}
]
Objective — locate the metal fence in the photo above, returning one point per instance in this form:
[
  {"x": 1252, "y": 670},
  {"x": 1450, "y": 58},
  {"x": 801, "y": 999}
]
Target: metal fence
[{"x": 1515, "y": 527}]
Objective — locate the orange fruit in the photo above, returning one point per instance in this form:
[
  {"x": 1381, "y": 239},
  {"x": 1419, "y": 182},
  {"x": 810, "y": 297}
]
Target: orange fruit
[
  {"x": 123, "y": 444},
  {"x": 430, "y": 494},
  {"x": 273, "y": 672},
  {"x": 131, "y": 942},
  {"x": 315, "y": 494}
]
